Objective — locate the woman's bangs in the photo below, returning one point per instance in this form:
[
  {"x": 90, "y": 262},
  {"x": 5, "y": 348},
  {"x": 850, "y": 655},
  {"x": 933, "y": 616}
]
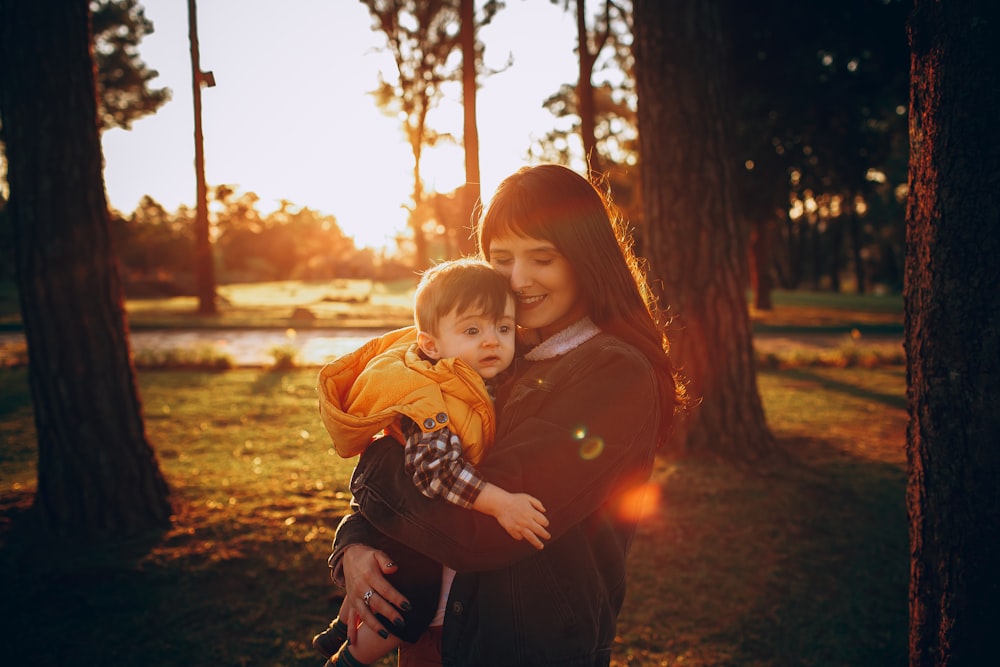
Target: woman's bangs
[{"x": 514, "y": 217}]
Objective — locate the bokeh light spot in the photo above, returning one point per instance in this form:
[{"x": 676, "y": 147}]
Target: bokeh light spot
[
  {"x": 591, "y": 448},
  {"x": 640, "y": 502}
]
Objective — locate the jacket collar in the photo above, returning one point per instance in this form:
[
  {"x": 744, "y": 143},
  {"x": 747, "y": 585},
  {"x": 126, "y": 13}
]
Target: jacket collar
[{"x": 569, "y": 338}]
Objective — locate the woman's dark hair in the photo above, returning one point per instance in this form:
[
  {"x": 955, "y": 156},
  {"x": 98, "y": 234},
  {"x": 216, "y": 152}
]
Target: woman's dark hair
[{"x": 553, "y": 203}]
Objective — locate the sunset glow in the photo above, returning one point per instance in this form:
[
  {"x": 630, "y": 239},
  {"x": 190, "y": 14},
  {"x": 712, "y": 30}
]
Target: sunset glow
[{"x": 290, "y": 117}]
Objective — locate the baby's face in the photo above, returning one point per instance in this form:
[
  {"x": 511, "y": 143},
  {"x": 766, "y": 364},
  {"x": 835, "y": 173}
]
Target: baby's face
[{"x": 485, "y": 344}]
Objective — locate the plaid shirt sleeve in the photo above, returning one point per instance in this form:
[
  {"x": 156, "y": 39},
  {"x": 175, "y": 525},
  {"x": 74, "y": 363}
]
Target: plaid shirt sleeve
[{"x": 434, "y": 460}]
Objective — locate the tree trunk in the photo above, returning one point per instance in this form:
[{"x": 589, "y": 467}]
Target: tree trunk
[
  {"x": 760, "y": 264},
  {"x": 695, "y": 247},
  {"x": 835, "y": 248},
  {"x": 97, "y": 473},
  {"x": 421, "y": 257},
  {"x": 787, "y": 264},
  {"x": 204, "y": 262},
  {"x": 472, "y": 191},
  {"x": 585, "y": 90},
  {"x": 952, "y": 320},
  {"x": 798, "y": 240},
  {"x": 860, "y": 274},
  {"x": 815, "y": 239}
]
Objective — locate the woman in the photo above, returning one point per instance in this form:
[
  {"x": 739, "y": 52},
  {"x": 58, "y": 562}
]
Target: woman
[{"x": 579, "y": 421}]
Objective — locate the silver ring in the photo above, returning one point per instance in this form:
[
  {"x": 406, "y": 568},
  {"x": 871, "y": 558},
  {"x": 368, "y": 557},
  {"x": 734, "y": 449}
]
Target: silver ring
[{"x": 367, "y": 597}]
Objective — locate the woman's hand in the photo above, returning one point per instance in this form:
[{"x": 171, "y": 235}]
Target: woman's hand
[{"x": 364, "y": 569}]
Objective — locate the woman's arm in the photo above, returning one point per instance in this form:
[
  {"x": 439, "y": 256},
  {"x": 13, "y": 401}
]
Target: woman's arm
[
  {"x": 438, "y": 468},
  {"x": 358, "y": 568},
  {"x": 587, "y": 439}
]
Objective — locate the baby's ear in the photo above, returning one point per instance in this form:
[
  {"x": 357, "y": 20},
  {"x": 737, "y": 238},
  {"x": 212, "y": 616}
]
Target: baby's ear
[{"x": 428, "y": 345}]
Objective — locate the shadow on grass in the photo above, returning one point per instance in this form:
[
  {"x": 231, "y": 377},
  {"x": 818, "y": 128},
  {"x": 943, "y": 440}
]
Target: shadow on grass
[
  {"x": 806, "y": 565},
  {"x": 837, "y": 593},
  {"x": 892, "y": 400},
  {"x": 14, "y": 395},
  {"x": 214, "y": 594}
]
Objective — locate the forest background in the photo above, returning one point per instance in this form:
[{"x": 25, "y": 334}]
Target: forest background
[{"x": 819, "y": 120}]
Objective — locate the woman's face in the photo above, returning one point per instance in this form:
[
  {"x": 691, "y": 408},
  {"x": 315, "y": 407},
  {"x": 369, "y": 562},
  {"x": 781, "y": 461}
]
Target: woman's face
[{"x": 548, "y": 294}]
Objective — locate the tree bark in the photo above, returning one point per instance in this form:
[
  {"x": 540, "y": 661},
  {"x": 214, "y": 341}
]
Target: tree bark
[
  {"x": 860, "y": 275},
  {"x": 585, "y": 90},
  {"x": 695, "y": 247},
  {"x": 952, "y": 321},
  {"x": 97, "y": 473},
  {"x": 835, "y": 251},
  {"x": 761, "y": 283},
  {"x": 204, "y": 262},
  {"x": 472, "y": 192}
]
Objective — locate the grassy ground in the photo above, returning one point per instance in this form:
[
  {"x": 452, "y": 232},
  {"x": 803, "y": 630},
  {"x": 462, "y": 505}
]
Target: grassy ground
[{"x": 806, "y": 565}]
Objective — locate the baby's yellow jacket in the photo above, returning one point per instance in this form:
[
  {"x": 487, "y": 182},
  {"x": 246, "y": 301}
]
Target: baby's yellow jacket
[{"x": 366, "y": 391}]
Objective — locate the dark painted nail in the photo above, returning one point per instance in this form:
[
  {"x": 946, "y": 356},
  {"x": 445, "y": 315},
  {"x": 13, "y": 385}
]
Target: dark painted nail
[
  {"x": 383, "y": 634},
  {"x": 405, "y": 606},
  {"x": 399, "y": 623}
]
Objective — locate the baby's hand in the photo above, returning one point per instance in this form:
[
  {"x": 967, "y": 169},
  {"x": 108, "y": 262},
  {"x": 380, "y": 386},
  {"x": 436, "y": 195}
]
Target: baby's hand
[{"x": 522, "y": 517}]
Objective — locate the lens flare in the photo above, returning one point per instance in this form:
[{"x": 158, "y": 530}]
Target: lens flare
[
  {"x": 590, "y": 446},
  {"x": 640, "y": 502}
]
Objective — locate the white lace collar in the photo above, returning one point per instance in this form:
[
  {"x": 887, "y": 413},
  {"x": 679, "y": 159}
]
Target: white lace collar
[{"x": 569, "y": 338}]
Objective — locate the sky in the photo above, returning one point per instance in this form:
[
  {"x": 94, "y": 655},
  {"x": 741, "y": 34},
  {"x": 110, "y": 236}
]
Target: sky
[{"x": 291, "y": 118}]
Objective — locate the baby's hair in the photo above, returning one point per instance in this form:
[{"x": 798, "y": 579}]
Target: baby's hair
[{"x": 459, "y": 285}]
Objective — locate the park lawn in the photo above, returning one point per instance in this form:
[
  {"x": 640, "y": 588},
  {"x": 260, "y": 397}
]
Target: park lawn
[
  {"x": 800, "y": 310},
  {"x": 804, "y": 564}
]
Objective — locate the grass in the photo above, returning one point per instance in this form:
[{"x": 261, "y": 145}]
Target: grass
[
  {"x": 796, "y": 311},
  {"x": 806, "y": 565}
]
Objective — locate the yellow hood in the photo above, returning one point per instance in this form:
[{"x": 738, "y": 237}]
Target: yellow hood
[{"x": 366, "y": 391}]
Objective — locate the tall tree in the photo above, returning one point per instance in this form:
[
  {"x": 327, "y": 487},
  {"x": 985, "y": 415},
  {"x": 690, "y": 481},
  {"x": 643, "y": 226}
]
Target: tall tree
[
  {"x": 97, "y": 473},
  {"x": 123, "y": 84},
  {"x": 472, "y": 191},
  {"x": 204, "y": 259},
  {"x": 123, "y": 79},
  {"x": 952, "y": 320},
  {"x": 421, "y": 36},
  {"x": 588, "y": 47},
  {"x": 582, "y": 99},
  {"x": 424, "y": 38},
  {"x": 695, "y": 246}
]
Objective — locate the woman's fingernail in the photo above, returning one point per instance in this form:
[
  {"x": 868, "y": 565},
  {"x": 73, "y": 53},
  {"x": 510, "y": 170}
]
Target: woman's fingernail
[
  {"x": 383, "y": 634},
  {"x": 399, "y": 623},
  {"x": 405, "y": 606},
  {"x": 390, "y": 564}
]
